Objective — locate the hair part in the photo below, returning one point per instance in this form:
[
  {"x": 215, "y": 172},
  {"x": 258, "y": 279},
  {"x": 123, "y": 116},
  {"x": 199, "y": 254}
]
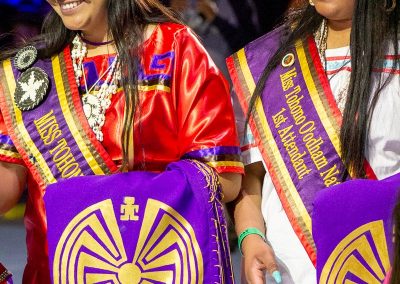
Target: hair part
[{"x": 374, "y": 28}]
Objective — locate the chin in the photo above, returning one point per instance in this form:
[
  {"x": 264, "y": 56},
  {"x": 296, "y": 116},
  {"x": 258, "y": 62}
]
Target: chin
[
  {"x": 333, "y": 10},
  {"x": 74, "y": 24}
]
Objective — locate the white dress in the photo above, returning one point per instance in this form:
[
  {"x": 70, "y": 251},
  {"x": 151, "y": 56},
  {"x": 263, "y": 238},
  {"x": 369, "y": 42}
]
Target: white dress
[{"x": 383, "y": 154}]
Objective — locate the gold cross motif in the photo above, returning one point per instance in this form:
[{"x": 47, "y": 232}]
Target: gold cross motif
[{"x": 129, "y": 210}]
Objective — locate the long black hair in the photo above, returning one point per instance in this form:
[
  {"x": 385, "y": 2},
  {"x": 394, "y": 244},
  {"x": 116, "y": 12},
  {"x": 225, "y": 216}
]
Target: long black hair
[
  {"x": 127, "y": 20},
  {"x": 375, "y": 27}
]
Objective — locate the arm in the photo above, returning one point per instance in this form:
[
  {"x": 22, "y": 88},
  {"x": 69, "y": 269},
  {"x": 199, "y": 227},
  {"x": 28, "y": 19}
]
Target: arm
[
  {"x": 13, "y": 179},
  {"x": 258, "y": 256},
  {"x": 207, "y": 131},
  {"x": 230, "y": 183}
]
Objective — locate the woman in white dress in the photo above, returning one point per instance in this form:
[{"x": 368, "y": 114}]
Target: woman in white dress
[{"x": 319, "y": 97}]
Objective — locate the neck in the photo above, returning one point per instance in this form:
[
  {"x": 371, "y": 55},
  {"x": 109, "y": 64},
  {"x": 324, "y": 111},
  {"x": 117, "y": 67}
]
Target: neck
[
  {"x": 98, "y": 33},
  {"x": 338, "y": 33},
  {"x": 100, "y": 50},
  {"x": 98, "y": 37},
  {"x": 85, "y": 40}
]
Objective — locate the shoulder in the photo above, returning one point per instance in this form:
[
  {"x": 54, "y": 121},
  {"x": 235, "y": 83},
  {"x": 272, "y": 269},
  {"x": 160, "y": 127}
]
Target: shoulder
[
  {"x": 174, "y": 37},
  {"x": 266, "y": 45},
  {"x": 7, "y": 60},
  {"x": 176, "y": 31},
  {"x": 272, "y": 39},
  {"x": 261, "y": 49},
  {"x": 173, "y": 29}
]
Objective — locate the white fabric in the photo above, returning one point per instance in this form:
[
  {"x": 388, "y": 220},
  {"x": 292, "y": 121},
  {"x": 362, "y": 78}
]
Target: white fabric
[{"x": 383, "y": 154}]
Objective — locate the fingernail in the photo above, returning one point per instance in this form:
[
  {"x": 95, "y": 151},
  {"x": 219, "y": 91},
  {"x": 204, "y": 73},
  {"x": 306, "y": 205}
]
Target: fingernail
[{"x": 277, "y": 276}]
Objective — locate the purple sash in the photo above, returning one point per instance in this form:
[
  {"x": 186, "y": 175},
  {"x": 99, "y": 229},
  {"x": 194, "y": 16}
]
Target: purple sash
[
  {"x": 356, "y": 247},
  {"x": 54, "y": 138},
  {"x": 139, "y": 227},
  {"x": 295, "y": 123}
]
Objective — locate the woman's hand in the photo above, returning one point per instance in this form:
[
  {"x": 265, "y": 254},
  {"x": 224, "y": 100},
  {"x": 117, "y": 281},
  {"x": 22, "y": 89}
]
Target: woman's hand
[
  {"x": 258, "y": 255},
  {"x": 258, "y": 259}
]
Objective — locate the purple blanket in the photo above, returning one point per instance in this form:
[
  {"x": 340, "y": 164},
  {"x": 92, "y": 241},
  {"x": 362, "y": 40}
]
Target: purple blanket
[
  {"x": 139, "y": 227},
  {"x": 353, "y": 230}
]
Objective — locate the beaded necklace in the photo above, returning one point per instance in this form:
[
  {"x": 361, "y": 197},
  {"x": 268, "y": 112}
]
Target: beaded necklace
[
  {"x": 321, "y": 38},
  {"x": 95, "y": 104}
]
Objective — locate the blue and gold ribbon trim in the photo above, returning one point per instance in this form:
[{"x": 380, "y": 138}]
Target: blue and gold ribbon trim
[{"x": 219, "y": 157}]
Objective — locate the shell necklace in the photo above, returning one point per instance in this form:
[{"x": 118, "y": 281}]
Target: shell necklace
[
  {"x": 95, "y": 104},
  {"x": 321, "y": 37}
]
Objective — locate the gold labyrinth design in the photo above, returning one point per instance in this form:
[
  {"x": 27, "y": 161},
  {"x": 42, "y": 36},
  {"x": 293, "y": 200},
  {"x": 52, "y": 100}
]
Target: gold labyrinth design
[
  {"x": 345, "y": 260},
  {"x": 91, "y": 249}
]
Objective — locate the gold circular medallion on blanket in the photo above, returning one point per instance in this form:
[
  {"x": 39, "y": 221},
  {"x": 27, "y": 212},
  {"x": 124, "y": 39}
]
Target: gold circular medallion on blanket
[
  {"x": 362, "y": 254},
  {"x": 288, "y": 60},
  {"x": 31, "y": 88},
  {"x": 161, "y": 247}
]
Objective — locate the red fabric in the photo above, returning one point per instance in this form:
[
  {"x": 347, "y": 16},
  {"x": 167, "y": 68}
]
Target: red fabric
[
  {"x": 195, "y": 114},
  {"x": 7, "y": 151},
  {"x": 5, "y": 275}
]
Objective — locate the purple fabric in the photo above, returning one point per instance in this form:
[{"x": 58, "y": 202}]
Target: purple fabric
[
  {"x": 183, "y": 187},
  {"x": 92, "y": 75},
  {"x": 5, "y": 139},
  {"x": 274, "y": 99},
  {"x": 51, "y": 106},
  {"x": 344, "y": 209},
  {"x": 215, "y": 151}
]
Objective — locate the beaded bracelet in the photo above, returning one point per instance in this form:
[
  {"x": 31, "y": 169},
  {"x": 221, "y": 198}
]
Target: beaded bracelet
[{"x": 245, "y": 233}]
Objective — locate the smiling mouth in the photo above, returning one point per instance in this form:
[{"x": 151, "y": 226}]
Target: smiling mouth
[{"x": 70, "y": 5}]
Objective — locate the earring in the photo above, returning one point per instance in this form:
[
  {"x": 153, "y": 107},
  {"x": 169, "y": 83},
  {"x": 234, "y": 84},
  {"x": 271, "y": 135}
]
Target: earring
[
  {"x": 391, "y": 8},
  {"x": 311, "y": 3}
]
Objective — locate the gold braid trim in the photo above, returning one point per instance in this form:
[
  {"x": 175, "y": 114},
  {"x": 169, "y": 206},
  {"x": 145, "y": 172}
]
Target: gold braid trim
[
  {"x": 211, "y": 178},
  {"x": 4, "y": 275},
  {"x": 215, "y": 190}
]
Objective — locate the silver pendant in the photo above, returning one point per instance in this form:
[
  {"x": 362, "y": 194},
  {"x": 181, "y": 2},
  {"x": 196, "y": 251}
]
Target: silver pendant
[
  {"x": 91, "y": 108},
  {"x": 31, "y": 88},
  {"x": 25, "y": 57}
]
